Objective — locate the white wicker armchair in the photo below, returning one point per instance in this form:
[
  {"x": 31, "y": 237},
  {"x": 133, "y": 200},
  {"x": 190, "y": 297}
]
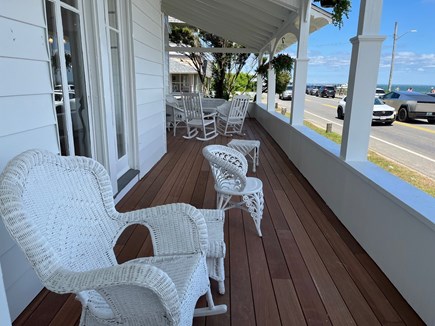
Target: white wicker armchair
[
  {"x": 61, "y": 213},
  {"x": 229, "y": 168}
]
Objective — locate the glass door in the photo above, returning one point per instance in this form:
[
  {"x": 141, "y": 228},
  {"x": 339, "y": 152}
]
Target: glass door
[
  {"x": 113, "y": 29},
  {"x": 68, "y": 76}
]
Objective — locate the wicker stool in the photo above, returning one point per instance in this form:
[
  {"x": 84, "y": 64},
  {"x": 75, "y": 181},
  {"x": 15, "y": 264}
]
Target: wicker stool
[
  {"x": 246, "y": 147},
  {"x": 215, "y": 219}
]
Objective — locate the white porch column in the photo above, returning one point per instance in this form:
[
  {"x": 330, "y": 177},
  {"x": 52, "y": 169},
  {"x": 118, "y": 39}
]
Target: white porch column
[
  {"x": 301, "y": 67},
  {"x": 363, "y": 75},
  {"x": 259, "y": 80},
  {"x": 271, "y": 85}
]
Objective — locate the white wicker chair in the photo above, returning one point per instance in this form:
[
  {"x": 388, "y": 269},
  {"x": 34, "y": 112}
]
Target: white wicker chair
[
  {"x": 231, "y": 115},
  {"x": 215, "y": 219},
  {"x": 196, "y": 119},
  {"x": 229, "y": 168},
  {"x": 61, "y": 213}
]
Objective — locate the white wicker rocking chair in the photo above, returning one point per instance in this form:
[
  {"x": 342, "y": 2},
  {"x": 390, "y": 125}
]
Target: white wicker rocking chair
[
  {"x": 196, "y": 119},
  {"x": 229, "y": 168},
  {"x": 231, "y": 115},
  {"x": 61, "y": 213}
]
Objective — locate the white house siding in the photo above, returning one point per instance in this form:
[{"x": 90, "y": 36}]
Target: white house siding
[
  {"x": 148, "y": 47},
  {"x": 27, "y": 120}
]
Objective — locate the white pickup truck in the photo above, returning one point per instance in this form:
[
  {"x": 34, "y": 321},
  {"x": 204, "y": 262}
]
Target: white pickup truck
[{"x": 411, "y": 105}]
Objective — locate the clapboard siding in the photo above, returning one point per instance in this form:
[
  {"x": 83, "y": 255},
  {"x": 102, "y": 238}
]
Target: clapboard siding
[
  {"x": 145, "y": 66},
  {"x": 146, "y": 8},
  {"x": 148, "y": 49},
  {"x": 145, "y": 96},
  {"x": 12, "y": 145},
  {"x": 147, "y": 110},
  {"x": 27, "y": 121},
  {"x": 146, "y": 37},
  {"x": 15, "y": 109},
  {"x": 28, "y": 11},
  {"x": 17, "y": 38},
  {"x": 144, "y": 51},
  {"x": 24, "y": 76}
]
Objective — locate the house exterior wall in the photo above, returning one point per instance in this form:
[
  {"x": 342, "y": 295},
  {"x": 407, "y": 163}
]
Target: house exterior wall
[
  {"x": 27, "y": 120},
  {"x": 393, "y": 221},
  {"x": 28, "y": 116},
  {"x": 149, "y": 56}
]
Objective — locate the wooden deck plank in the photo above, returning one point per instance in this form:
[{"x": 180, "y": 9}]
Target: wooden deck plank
[
  {"x": 266, "y": 309},
  {"x": 307, "y": 268},
  {"x": 335, "y": 306}
]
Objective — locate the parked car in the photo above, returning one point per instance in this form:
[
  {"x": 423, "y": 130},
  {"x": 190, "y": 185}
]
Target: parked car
[
  {"x": 379, "y": 92},
  {"x": 315, "y": 90},
  {"x": 411, "y": 105},
  {"x": 308, "y": 89},
  {"x": 326, "y": 91},
  {"x": 287, "y": 94},
  {"x": 382, "y": 112}
]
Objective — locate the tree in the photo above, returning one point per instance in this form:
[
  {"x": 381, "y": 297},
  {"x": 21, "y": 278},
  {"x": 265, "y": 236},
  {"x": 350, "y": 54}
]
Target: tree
[
  {"x": 282, "y": 64},
  {"x": 185, "y": 36},
  {"x": 226, "y": 66}
]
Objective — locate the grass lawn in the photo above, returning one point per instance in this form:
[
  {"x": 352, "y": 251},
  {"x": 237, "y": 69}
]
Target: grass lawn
[{"x": 413, "y": 177}]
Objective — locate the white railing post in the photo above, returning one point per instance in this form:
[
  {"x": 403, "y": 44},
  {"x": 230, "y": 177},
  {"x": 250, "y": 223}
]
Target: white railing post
[{"x": 259, "y": 80}]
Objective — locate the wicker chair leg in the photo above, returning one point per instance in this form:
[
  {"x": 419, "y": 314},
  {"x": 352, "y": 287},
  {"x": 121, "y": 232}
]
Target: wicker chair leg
[
  {"x": 255, "y": 204},
  {"x": 211, "y": 309}
]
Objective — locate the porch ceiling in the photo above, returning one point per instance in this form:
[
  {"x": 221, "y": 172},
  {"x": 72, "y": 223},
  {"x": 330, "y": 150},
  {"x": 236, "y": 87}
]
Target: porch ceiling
[{"x": 251, "y": 23}]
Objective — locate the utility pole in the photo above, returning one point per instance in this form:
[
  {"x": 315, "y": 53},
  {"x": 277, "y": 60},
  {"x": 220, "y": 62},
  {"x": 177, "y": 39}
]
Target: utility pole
[{"x": 392, "y": 57}]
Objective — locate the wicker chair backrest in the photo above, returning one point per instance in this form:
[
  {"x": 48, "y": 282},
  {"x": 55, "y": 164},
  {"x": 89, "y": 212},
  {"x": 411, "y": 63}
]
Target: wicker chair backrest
[{"x": 60, "y": 211}]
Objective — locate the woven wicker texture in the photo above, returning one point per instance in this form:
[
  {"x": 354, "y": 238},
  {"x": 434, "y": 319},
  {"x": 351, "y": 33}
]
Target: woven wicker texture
[
  {"x": 229, "y": 168},
  {"x": 60, "y": 211}
]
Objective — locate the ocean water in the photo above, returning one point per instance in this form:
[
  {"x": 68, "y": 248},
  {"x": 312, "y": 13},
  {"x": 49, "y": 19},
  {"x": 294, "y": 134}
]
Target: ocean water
[{"x": 404, "y": 87}]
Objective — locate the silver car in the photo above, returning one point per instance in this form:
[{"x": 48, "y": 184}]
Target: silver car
[{"x": 411, "y": 105}]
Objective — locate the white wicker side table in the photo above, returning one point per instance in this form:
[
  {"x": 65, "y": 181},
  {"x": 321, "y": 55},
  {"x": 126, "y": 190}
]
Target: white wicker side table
[{"x": 247, "y": 147}]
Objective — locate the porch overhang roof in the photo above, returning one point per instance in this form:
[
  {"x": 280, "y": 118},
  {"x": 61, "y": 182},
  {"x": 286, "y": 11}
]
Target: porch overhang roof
[{"x": 260, "y": 25}]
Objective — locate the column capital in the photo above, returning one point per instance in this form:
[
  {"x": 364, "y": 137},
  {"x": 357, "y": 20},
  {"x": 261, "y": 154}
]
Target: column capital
[{"x": 367, "y": 38}]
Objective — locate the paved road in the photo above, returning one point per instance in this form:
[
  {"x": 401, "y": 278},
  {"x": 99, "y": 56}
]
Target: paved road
[{"x": 411, "y": 144}]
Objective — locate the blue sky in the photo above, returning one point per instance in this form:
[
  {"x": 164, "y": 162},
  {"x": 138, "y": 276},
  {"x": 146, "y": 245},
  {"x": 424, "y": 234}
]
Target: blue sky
[{"x": 329, "y": 49}]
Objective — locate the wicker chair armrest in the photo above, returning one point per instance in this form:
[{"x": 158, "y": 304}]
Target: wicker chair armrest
[
  {"x": 101, "y": 280},
  {"x": 215, "y": 219},
  {"x": 174, "y": 228}
]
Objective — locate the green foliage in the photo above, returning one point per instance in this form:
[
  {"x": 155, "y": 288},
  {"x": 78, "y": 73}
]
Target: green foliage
[
  {"x": 182, "y": 36},
  {"x": 282, "y": 80},
  {"x": 341, "y": 8},
  {"x": 283, "y": 65},
  {"x": 244, "y": 83},
  {"x": 280, "y": 63}
]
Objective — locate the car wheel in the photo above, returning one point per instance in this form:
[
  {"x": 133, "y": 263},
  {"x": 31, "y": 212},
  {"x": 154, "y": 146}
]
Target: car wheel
[
  {"x": 340, "y": 113},
  {"x": 402, "y": 115},
  {"x": 431, "y": 121}
]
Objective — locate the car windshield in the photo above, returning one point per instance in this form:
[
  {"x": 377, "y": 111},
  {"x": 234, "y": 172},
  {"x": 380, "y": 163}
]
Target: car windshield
[
  {"x": 289, "y": 88},
  {"x": 378, "y": 101},
  {"x": 329, "y": 88}
]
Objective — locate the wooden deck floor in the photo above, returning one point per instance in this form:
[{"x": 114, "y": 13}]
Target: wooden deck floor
[{"x": 307, "y": 268}]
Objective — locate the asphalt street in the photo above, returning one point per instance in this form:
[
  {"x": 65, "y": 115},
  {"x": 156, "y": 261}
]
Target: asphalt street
[{"x": 411, "y": 144}]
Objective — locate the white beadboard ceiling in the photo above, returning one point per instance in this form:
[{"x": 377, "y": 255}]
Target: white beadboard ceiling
[{"x": 251, "y": 23}]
